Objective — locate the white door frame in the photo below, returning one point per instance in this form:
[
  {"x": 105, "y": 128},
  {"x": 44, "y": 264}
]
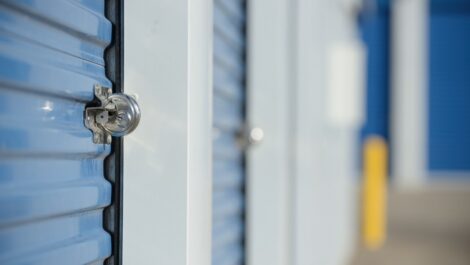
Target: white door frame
[
  {"x": 167, "y": 160},
  {"x": 409, "y": 93},
  {"x": 268, "y": 87}
]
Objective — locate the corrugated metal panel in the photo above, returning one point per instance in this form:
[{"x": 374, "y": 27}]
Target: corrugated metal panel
[
  {"x": 52, "y": 187},
  {"x": 449, "y": 89},
  {"x": 229, "y": 97}
]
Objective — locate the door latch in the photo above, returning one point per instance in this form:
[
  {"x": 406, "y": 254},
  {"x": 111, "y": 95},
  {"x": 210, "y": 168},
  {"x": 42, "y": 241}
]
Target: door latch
[{"x": 111, "y": 115}]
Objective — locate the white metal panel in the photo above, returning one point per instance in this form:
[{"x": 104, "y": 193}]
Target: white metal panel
[
  {"x": 167, "y": 179},
  {"x": 269, "y": 91},
  {"x": 345, "y": 83},
  {"x": 409, "y": 92},
  {"x": 325, "y": 155}
]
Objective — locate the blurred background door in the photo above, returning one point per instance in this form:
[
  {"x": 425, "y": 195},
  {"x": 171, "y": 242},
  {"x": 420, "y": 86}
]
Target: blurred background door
[
  {"x": 228, "y": 220},
  {"x": 449, "y": 89}
]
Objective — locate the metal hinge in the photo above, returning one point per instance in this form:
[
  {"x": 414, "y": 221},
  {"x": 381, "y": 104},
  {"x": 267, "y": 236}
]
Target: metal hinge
[{"x": 111, "y": 115}]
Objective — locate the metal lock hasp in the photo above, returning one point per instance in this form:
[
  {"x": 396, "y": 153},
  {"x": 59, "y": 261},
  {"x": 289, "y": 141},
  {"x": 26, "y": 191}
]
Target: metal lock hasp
[{"x": 115, "y": 115}]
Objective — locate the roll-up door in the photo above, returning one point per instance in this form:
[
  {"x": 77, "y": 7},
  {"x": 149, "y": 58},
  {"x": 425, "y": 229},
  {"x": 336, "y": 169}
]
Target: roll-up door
[
  {"x": 228, "y": 158},
  {"x": 53, "y": 186},
  {"x": 449, "y": 87},
  {"x": 374, "y": 25}
]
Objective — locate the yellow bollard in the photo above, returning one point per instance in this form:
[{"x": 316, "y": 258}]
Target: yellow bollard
[{"x": 374, "y": 192}]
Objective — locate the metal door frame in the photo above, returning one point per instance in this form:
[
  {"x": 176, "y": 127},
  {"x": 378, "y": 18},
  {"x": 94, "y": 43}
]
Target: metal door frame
[
  {"x": 409, "y": 51},
  {"x": 167, "y": 160},
  {"x": 269, "y": 88},
  {"x": 113, "y": 164}
]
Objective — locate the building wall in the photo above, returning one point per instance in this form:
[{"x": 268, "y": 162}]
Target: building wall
[{"x": 325, "y": 140}]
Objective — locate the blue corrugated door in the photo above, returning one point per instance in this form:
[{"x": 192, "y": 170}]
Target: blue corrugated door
[
  {"x": 52, "y": 184},
  {"x": 449, "y": 87},
  {"x": 229, "y": 97}
]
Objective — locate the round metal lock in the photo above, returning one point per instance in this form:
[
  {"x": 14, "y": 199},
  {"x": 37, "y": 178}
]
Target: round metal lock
[
  {"x": 123, "y": 114},
  {"x": 111, "y": 115}
]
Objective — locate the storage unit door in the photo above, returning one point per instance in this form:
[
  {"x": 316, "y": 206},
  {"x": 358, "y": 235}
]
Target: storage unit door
[
  {"x": 228, "y": 118},
  {"x": 375, "y": 31},
  {"x": 449, "y": 88},
  {"x": 52, "y": 185}
]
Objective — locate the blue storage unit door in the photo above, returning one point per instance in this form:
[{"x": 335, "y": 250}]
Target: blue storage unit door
[
  {"x": 449, "y": 87},
  {"x": 228, "y": 159},
  {"x": 53, "y": 190},
  {"x": 375, "y": 31}
]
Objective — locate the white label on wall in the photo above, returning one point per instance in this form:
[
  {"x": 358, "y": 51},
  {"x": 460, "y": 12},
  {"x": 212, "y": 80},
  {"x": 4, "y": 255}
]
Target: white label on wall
[{"x": 346, "y": 84}]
